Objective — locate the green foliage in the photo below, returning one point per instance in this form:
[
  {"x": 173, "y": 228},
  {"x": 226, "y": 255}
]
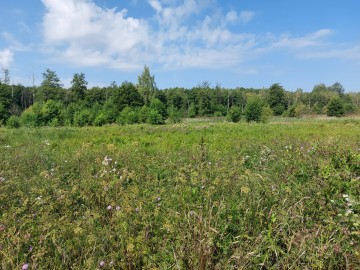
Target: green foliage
[
  {"x": 155, "y": 118},
  {"x": 266, "y": 113},
  {"x": 192, "y": 110},
  {"x": 174, "y": 115},
  {"x": 277, "y": 99},
  {"x": 51, "y": 87},
  {"x": 159, "y": 107},
  {"x": 185, "y": 196},
  {"x": 100, "y": 120},
  {"x": 336, "y": 108},
  {"x": 83, "y": 118},
  {"x": 253, "y": 109},
  {"x": 296, "y": 110},
  {"x": 78, "y": 87},
  {"x": 129, "y": 116},
  {"x": 234, "y": 114},
  {"x": 13, "y": 122},
  {"x": 146, "y": 85}
]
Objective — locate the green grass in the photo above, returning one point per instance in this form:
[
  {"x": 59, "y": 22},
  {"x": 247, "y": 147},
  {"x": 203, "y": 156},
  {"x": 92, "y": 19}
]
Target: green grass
[{"x": 197, "y": 195}]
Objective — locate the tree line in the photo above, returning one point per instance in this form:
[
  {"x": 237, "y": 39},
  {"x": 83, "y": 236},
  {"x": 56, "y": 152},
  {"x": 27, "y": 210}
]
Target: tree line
[{"x": 50, "y": 104}]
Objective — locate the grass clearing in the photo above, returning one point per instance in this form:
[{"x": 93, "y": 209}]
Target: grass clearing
[{"x": 203, "y": 195}]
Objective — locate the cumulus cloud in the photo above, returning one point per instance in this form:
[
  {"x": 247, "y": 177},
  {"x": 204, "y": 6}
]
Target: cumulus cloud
[
  {"x": 88, "y": 35},
  {"x": 181, "y": 34},
  {"x": 6, "y": 58}
]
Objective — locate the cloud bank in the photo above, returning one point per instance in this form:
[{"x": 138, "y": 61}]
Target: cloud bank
[{"x": 180, "y": 34}]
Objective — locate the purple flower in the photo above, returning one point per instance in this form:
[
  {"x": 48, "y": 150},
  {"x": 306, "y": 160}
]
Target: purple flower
[
  {"x": 102, "y": 264},
  {"x": 30, "y": 248},
  {"x": 136, "y": 209},
  {"x": 25, "y": 266}
]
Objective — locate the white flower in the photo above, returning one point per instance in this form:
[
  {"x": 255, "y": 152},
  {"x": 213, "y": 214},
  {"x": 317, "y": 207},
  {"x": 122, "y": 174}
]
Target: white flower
[{"x": 107, "y": 160}]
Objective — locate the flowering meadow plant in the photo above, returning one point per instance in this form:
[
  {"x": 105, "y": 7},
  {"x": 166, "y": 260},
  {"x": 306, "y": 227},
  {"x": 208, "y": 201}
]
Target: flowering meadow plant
[{"x": 183, "y": 196}]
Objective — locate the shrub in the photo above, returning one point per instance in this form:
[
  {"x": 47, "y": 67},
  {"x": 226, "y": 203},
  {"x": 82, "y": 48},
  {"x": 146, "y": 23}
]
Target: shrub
[
  {"x": 174, "y": 115},
  {"x": 266, "y": 113},
  {"x": 234, "y": 114},
  {"x": 13, "y": 122},
  {"x": 100, "y": 120},
  {"x": 155, "y": 118},
  {"x": 336, "y": 108},
  {"x": 82, "y": 118},
  {"x": 253, "y": 110}
]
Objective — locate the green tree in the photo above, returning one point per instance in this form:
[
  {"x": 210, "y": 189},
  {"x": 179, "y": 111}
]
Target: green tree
[
  {"x": 78, "y": 87},
  {"x": 127, "y": 95},
  {"x": 277, "y": 99},
  {"x": 337, "y": 88},
  {"x": 336, "y": 108},
  {"x": 50, "y": 88},
  {"x": 253, "y": 109},
  {"x": 146, "y": 85}
]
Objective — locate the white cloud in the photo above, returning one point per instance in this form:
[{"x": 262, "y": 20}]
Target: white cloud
[
  {"x": 246, "y": 16},
  {"x": 180, "y": 35},
  {"x": 312, "y": 39},
  {"x": 6, "y": 58},
  {"x": 85, "y": 34}
]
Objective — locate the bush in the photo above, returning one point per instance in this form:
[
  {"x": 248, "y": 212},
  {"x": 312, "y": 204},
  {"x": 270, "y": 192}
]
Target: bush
[
  {"x": 13, "y": 122},
  {"x": 128, "y": 116},
  {"x": 82, "y": 118},
  {"x": 266, "y": 113},
  {"x": 100, "y": 120},
  {"x": 234, "y": 114},
  {"x": 174, "y": 115},
  {"x": 253, "y": 110},
  {"x": 155, "y": 118},
  {"x": 336, "y": 108},
  {"x": 31, "y": 116}
]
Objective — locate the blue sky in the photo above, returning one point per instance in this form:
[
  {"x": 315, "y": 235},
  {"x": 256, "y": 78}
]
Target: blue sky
[{"x": 248, "y": 43}]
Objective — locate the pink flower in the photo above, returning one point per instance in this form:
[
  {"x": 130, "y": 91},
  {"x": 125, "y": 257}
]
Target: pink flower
[
  {"x": 102, "y": 264},
  {"x": 109, "y": 207},
  {"x": 25, "y": 266}
]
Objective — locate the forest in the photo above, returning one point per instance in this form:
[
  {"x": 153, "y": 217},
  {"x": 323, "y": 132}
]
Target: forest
[{"x": 50, "y": 104}]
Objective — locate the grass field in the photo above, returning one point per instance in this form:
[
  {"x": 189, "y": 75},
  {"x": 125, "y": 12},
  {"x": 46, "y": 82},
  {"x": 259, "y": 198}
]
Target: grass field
[{"x": 196, "y": 195}]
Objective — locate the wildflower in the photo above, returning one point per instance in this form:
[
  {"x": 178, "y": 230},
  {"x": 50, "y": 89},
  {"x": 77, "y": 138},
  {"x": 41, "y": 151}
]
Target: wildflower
[
  {"x": 2, "y": 227},
  {"x": 25, "y": 266},
  {"x": 2, "y": 179},
  {"x": 38, "y": 198},
  {"x": 46, "y": 142},
  {"x": 111, "y": 263},
  {"x": 117, "y": 208},
  {"x": 7, "y": 146},
  {"x": 158, "y": 198},
  {"x": 30, "y": 248},
  {"x": 102, "y": 264},
  {"x": 107, "y": 160},
  {"x": 109, "y": 207},
  {"x": 136, "y": 209}
]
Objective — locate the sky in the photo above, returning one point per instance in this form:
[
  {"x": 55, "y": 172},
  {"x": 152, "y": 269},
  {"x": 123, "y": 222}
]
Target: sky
[{"x": 234, "y": 43}]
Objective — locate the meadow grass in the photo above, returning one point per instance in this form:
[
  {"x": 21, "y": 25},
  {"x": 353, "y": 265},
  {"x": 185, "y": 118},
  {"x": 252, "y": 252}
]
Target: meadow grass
[{"x": 196, "y": 195}]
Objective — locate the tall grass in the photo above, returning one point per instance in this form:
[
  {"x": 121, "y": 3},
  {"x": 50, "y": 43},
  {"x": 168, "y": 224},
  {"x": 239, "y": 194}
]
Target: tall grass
[{"x": 184, "y": 196}]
